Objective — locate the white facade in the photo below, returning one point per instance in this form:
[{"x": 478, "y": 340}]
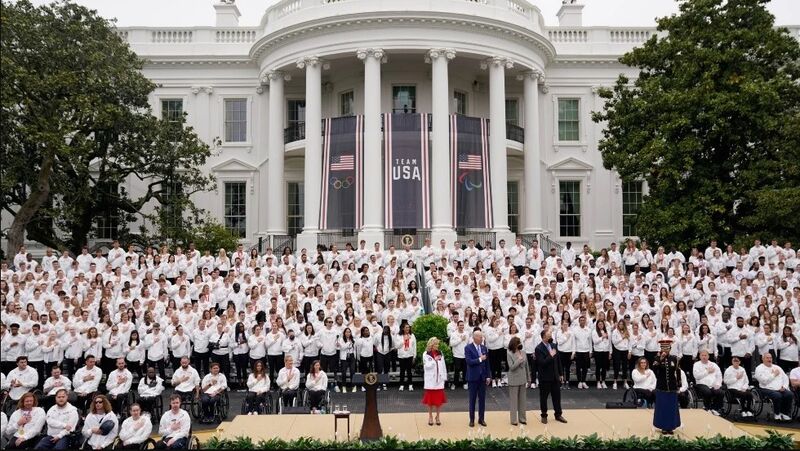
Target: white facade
[{"x": 489, "y": 51}]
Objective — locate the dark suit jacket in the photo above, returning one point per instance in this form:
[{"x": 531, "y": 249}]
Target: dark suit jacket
[
  {"x": 549, "y": 367},
  {"x": 477, "y": 371}
]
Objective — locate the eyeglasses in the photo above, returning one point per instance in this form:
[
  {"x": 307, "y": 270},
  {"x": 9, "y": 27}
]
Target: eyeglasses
[{"x": 99, "y": 401}]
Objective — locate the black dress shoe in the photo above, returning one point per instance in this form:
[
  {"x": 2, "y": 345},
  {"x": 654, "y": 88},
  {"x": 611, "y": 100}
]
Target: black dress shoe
[
  {"x": 561, "y": 419},
  {"x": 472, "y": 424},
  {"x": 482, "y": 423},
  {"x": 523, "y": 422},
  {"x": 544, "y": 420}
]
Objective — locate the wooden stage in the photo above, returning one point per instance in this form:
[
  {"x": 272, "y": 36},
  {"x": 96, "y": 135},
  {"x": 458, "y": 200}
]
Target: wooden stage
[{"x": 414, "y": 426}]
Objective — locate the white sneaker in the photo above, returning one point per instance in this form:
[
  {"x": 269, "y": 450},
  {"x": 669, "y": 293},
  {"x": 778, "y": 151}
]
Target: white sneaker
[
  {"x": 786, "y": 417},
  {"x": 614, "y": 387},
  {"x": 778, "y": 417},
  {"x": 494, "y": 384},
  {"x": 363, "y": 389},
  {"x": 354, "y": 390},
  {"x": 465, "y": 386},
  {"x": 401, "y": 388},
  {"x": 410, "y": 388},
  {"x": 336, "y": 389},
  {"x": 714, "y": 412},
  {"x": 452, "y": 387},
  {"x": 598, "y": 385},
  {"x": 384, "y": 387},
  {"x": 746, "y": 414}
]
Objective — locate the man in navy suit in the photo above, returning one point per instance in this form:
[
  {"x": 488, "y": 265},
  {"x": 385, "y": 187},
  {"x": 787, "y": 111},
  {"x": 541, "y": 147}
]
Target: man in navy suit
[
  {"x": 478, "y": 376},
  {"x": 549, "y": 368}
]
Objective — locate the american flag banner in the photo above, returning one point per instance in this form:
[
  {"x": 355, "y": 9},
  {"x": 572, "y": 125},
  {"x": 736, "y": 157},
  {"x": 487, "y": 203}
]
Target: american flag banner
[
  {"x": 471, "y": 187},
  {"x": 342, "y": 173},
  {"x": 407, "y": 165}
]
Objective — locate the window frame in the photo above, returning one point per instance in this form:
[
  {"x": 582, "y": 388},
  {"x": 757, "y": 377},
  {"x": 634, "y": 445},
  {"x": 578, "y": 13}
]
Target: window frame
[
  {"x": 627, "y": 203},
  {"x": 579, "y": 213},
  {"x": 456, "y": 93},
  {"x": 300, "y": 205},
  {"x": 413, "y": 108},
  {"x": 518, "y": 117},
  {"x": 247, "y": 122},
  {"x": 514, "y": 225},
  {"x": 352, "y": 94},
  {"x": 242, "y": 232}
]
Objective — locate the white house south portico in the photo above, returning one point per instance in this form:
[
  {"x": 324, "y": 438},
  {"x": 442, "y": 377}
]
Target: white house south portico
[{"x": 300, "y": 104}]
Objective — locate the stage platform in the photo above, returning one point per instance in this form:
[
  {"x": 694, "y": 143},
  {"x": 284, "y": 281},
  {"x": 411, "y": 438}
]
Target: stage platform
[{"x": 414, "y": 426}]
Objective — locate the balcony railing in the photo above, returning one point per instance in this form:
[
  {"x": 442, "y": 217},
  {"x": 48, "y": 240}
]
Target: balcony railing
[
  {"x": 515, "y": 133},
  {"x": 395, "y": 238},
  {"x": 338, "y": 237},
  {"x": 294, "y": 132},
  {"x": 480, "y": 237}
]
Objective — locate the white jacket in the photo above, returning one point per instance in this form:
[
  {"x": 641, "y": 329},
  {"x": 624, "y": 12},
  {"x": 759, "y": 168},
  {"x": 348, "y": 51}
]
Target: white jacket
[
  {"x": 283, "y": 379},
  {"x": 319, "y": 383},
  {"x": 772, "y": 377},
  {"x": 89, "y": 386},
  {"x": 51, "y": 386},
  {"x": 258, "y": 386},
  {"x": 119, "y": 382},
  {"x": 135, "y": 431},
  {"x": 59, "y": 417},
  {"x": 94, "y": 420},
  {"x": 31, "y": 429},
  {"x": 731, "y": 380},
  {"x": 169, "y": 418},
  {"x": 435, "y": 372},
  {"x": 646, "y": 381},
  {"x": 702, "y": 376},
  {"x": 187, "y": 385},
  {"x": 29, "y": 378},
  {"x": 146, "y": 391},
  {"x": 404, "y": 352}
]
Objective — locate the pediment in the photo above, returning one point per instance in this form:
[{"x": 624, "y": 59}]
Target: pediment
[
  {"x": 234, "y": 165},
  {"x": 570, "y": 164}
]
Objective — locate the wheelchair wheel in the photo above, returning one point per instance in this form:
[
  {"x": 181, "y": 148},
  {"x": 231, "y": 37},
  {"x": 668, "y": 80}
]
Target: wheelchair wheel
[
  {"x": 796, "y": 408},
  {"x": 758, "y": 402},
  {"x": 223, "y": 406},
  {"x": 196, "y": 408},
  {"x": 693, "y": 398},
  {"x": 266, "y": 407},
  {"x": 728, "y": 402},
  {"x": 149, "y": 444},
  {"x": 194, "y": 442}
]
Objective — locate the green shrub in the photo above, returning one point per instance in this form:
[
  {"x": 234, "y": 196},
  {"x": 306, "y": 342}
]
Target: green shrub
[
  {"x": 427, "y": 326},
  {"x": 772, "y": 441}
]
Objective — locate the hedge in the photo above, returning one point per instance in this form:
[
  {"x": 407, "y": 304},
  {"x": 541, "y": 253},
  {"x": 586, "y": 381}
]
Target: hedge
[{"x": 772, "y": 441}]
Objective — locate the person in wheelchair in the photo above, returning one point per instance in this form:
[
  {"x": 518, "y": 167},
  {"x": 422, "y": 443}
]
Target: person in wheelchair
[
  {"x": 774, "y": 384},
  {"x": 213, "y": 385},
  {"x": 683, "y": 392},
  {"x": 101, "y": 426},
  {"x": 55, "y": 383},
  {"x": 738, "y": 386},
  {"x": 288, "y": 381},
  {"x": 316, "y": 385},
  {"x": 25, "y": 423},
  {"x": 185, "y": 380},
  {"x": 21, "y": 379},
  {"x": 708, "y": 383},
  {"x": 150, "y": 387},
  {"x": 644, "y": 381},
  {"x": 86, "y": 382},
  {"x": 257, "y": 388},
  {"x": 62, "y": 420},
  {"x": 118, "y": 385},
  {"x": 174, "y": 426},
  {"x": 136, "y": 429}
]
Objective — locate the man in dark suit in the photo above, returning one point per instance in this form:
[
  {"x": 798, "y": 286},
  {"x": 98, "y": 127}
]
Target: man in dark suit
[
  {"x": 478, "y": 376},
  {"x": 549, "y": 368}
]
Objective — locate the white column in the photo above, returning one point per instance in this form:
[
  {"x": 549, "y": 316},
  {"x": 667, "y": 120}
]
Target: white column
[
  {"x": 441, "y": 203},
  {"x": 497, "y": 66},
  {"x": 532, "y": 154},
  {"x": 261, "y": 132},
  {"x": 372, "y": 231},
  {"x": 276, "y": 195},
  {"x": 313, "y": 156}
]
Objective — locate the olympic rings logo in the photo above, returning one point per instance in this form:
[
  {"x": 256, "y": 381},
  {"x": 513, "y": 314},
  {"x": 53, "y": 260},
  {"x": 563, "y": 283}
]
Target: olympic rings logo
[{"x": 344, "y": 183}]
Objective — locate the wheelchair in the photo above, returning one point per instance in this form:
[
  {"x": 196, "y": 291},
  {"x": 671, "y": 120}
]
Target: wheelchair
[
  {"x": 124, "y": 404},
  {"x": 221, "y": 408},
  {"x": 147, "y": 444},
  {"x": 323, "y": 405},
  {"x": 190, "y": 402},
  {"x": 263, "y": 408},
  {"x": 796, "y": 409},
  {"x": 732, "y": 406},
  {"x": 298, "y": 399},
  {"x": 759, "y": 401},
  {"x": 631, "y": 396},
  {"x": 194, "y": 441}
]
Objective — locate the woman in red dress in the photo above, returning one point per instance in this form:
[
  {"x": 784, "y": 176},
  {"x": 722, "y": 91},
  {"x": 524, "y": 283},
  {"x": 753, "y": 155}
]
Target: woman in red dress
[{"x": 435, "y": 378}]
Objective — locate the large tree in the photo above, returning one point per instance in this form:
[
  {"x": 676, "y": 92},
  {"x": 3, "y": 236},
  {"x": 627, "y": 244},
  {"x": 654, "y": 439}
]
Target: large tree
[
  {"x": 712, "y": 124},
  {"x": 75, "y": 123}
]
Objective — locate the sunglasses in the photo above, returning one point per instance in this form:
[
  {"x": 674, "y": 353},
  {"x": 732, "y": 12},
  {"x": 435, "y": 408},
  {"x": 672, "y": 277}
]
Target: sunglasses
[{"x": 98, "y": 402}]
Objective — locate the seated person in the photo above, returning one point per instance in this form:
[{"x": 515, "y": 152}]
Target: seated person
[
  {"x": 708, "y": 383},
  {"x": 644, "y": 381},
  {"x": 316, "y": 384},
  {"x": 738, "y": 385},
  {"x": 62, "y": 419},
  {"x": 150, "y": 387},
  {"x": 53, "y": 385},
  {"x": 174, "y": 426},
  {"x": 257, "y": 387},
  {"x": 25, "y": 424},
  {"x": 213, "y": 385},
  {"x": 288, "y": 381},
  {"x": 118, "y": 385},
  {"x": 683, "y": 391},
  {"x": 185, "y": 380},
  {"x": 86, "y": 382},
  {"x": 774, "y": 384},
  {"x": 135, "y": 429},
  {"x": 21, "y": 379},
  {"x": 101, "y": 426}
]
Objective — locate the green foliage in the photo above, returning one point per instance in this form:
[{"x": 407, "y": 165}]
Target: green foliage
[
  {"x": 212, "y": 235},
  {"x": 772, "y": 441},
  {"x": 76, "y": 123},
  {"x": 712, "y": 124},
  {"x": 428, "y": 326}
]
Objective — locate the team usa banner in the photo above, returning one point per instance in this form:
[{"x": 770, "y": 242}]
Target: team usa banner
[
  {"x": 471, "y": 185},
  {"x": 406, "y": 158},
  {"x": 342, "y": 173}
]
